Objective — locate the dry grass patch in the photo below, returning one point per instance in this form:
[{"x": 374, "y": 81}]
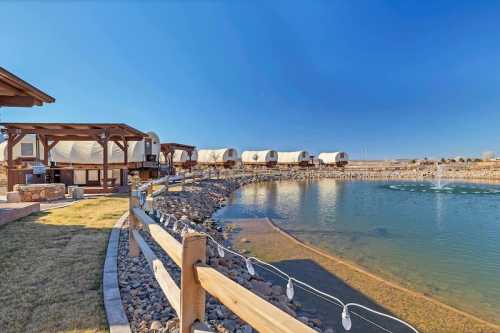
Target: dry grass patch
[{"x": 51, "y": 268}]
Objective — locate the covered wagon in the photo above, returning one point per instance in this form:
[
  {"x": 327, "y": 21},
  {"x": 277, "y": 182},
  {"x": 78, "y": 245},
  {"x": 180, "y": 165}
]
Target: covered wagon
[
  {"x": 338, "y": 158},
  {"x": 225, "y": 157},
  {"x": 293, "y": 158},
  {"x": 259, "y": 158}
]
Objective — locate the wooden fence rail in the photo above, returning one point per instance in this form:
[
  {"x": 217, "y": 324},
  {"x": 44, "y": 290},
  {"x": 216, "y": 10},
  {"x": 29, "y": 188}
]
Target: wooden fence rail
[{"x": 197, "y": 278}]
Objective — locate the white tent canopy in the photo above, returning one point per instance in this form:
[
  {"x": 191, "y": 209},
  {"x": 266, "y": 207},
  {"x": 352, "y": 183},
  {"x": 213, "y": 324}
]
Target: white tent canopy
[
  {"x": 217, "y": 155},
  {"x": 261, "y": 156},
  {"x": 84, "y": 152},
  {"x": 25, "y": 148},
  {"x": 333, "y": 157},
  {"x": 293, "y": 157},
  {"x": 182, "y": 156}
]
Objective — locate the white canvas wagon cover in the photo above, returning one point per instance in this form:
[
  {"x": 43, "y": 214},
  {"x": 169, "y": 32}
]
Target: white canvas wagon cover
[
  {"x": 293, "y": 157},
  {"x": 259, "y": 156}
]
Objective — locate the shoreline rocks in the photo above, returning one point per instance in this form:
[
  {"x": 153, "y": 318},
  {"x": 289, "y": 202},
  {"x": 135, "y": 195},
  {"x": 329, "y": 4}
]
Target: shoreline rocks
[
  {"x": 147, "y": 308},
  {"x": 145, "y": 305}
]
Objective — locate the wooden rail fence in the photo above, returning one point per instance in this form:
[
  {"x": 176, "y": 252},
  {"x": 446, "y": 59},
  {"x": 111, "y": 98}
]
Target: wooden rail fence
[{"x": 197, "y": 279}]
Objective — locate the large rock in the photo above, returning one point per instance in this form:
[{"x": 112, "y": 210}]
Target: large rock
[
  {"x": 13, "y": 196},
  {"x": 40, "y": 192},
  {"x": 76, "y": 192}
]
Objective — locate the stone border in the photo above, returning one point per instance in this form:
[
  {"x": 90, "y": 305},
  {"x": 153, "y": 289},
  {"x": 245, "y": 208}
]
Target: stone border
[{"x": 115, "y": 314}]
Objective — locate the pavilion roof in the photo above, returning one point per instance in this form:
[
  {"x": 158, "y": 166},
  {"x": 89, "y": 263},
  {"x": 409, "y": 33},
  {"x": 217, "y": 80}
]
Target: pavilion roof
[
  {"x": 171, "y": 146},
  {"x": 14, "y": 91},
  {"x": 76, "y": 131}
]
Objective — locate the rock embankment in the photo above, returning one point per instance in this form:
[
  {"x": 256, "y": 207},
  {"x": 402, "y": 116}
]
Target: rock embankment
[{"x": 147, "y": 308}]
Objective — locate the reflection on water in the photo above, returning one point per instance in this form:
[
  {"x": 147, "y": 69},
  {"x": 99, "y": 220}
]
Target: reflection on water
[{"x": 443, "y": 244}]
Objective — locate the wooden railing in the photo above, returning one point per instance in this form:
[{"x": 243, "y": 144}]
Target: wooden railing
[{"x": 197, "y": 279}]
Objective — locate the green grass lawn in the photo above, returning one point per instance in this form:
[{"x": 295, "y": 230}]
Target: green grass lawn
[{"x": 51, "y": 268}]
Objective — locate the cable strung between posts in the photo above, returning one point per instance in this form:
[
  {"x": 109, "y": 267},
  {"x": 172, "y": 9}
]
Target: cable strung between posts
[
  {"x": 301, "y": 284},
  {"x": 346, "y": 321}
]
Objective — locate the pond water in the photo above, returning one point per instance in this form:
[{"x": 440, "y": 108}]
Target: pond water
[{"x": 443, "y": 243}]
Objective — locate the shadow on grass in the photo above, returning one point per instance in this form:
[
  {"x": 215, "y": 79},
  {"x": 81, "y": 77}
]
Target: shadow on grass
[{"x": 330, "y": 314}]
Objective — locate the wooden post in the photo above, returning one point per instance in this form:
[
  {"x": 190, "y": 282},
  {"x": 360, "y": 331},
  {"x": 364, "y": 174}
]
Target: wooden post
[
  {"x": 133, "y": 247},
  {"x": 105, "y": 163},
  {"x": 10, "y": 163},
  {"x": 45, "y": 144},
  {"x": 190, "y": 154},
  {"x": 192, "y": 294},
  {"x": 125, "y": 162}
]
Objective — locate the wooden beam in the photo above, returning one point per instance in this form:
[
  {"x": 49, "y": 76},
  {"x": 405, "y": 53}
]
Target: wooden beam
[
  {"x": 10, "y": 163},
  {"x": 45, "y": 144},
  {"x": 105, "y": 162},
  {"x": 119, "y": 145},
  {"x": 125, "y": 152},
  {"x": 125, "y": 162},
  {"x": 166, "y": 241},
  {"x": 52, "y": 145},
  {"x": 61, "y": 130},
  {"x": 19, "y": 101},
  {"x": 17, "y": 139},
  {"x": 192, "y": 296},
  {"x": 167, "y": 284},
  {"x": 8, "y": 90},
  {"x": 263, "y": 316}
]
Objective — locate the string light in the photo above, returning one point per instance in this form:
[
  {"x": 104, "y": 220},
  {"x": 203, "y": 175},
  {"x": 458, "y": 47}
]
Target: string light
[
  {"x": 345, "y": 317},
  {"x": 249, "y": 265},
  {"x": 184, "y": 231},
  {"x": 167, "y": 220},
  {"x": 220, "y": 250},
  {"x": 289, "y": 289}
]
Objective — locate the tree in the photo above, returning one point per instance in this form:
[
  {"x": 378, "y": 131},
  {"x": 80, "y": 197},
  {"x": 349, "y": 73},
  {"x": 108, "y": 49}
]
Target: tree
[{"x": 443, "y": 160}]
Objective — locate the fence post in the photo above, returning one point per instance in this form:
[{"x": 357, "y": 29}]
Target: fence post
[
  {"x": 192, "y": 294},
  {"x": 150, "y": 190},
  {"x": 133, "y": 248}
]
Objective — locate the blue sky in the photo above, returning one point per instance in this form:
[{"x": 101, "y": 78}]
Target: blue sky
[{"x": 394, "y": 78}]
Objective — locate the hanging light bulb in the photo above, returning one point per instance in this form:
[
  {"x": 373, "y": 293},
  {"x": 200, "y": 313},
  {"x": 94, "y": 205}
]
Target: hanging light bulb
[
  {"x": 346, "y": 319},
  {"x": 184, "y": 231},
  {"x": 167, "y": 220},
  {"x": 220, "y": 250},
  {"x": 289, "y": 289},
  {"x": 250, "y": 268}
]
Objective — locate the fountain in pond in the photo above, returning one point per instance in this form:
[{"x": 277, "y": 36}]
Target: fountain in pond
[{"x": 439, "y": 186}]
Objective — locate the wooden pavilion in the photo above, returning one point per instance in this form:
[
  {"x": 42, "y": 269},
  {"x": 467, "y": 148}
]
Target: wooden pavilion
[
  {"x": 16, "y": 92},
  {"x": 168, "y": 149},
  {"x": 49, "y": 134}
]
